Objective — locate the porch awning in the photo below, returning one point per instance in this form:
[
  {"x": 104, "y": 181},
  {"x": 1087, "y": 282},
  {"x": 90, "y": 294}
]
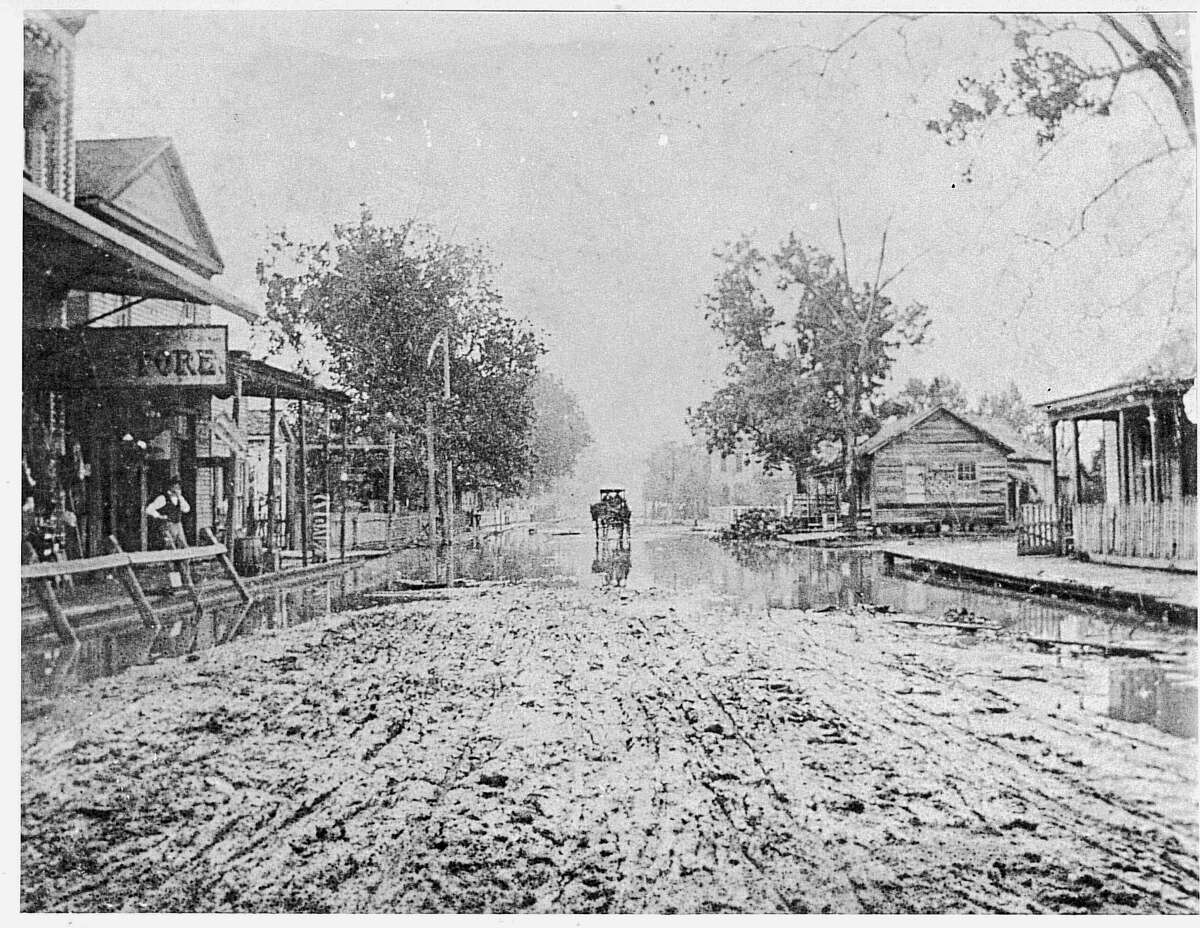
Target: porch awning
[
  {"x": 80, "y": 252},
  {"x": 261, "y": 379},
  {"x": 1109, "y": 401}
]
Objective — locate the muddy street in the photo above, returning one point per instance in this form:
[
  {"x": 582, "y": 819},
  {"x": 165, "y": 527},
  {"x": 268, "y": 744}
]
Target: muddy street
[{"x": 741, "y": 738}]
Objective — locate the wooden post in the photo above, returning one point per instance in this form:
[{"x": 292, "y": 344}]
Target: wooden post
[
  {"x": 185, "y": 574},
  {"x": 328, "y": 481},
  {"x": 1053, "y": 462},
  {"x": 95, "y": 505},
  {"x": 143, "y": 528},
  {"x": 235, "y": 497},
  {"x": 133, "y": 587},
  {"x": 45, "y": 593},
  {"x": 227, "y": 564},
  {"x": 1078, "y": 472},
  {"x": 391, "y": 487},
  {"x": 449, "y": 459},
  {"x": 112, "y": 487},
  {"x": 1155, "y": 477},
  {"x": 1122, "y": 459},
  {"x": 343, "y": 473},
  {"x": 303, "y": 489},
  {"x": 432, "y": 493},
  {"x": 271, "y": 488}
]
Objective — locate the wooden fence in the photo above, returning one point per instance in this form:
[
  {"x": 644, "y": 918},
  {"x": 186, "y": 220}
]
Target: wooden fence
[
  {"x": 1163, "y": 531},
  {"x": 1043, "y": 528}
]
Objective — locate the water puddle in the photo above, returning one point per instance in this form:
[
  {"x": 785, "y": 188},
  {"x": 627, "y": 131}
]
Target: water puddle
[{"x": 1161, "y": 694}]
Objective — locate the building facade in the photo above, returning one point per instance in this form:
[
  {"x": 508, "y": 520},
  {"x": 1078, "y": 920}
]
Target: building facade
[{"x": 128, "y": 378}]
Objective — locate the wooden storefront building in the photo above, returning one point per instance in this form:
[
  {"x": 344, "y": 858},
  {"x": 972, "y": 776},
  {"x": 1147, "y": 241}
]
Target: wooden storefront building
[{"x": 127, "y": 374}]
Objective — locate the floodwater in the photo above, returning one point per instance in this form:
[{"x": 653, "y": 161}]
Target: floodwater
[{"x": 1161, "y": 693}]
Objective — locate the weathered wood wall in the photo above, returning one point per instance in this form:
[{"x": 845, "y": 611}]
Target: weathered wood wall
[{"x": 925, "y": 475}]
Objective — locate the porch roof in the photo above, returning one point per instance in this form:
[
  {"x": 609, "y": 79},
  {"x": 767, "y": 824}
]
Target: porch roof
[
  {"x": 261, "y": 379},
  {"x": 1115, "y": 398},
  {"x": 80, "y": 252}
]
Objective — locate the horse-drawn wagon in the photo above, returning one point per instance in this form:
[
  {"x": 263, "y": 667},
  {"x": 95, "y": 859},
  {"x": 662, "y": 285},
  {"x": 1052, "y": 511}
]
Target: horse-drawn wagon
[{"x": 611, "y": 512}]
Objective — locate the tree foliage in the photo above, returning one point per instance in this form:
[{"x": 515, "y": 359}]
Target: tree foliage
[
  {"x": 374, "y": 299},
  {"x": 560, "y": 432},
  {"x": 1070, "y": 65},
  {"x": 811, "y": 352},
  {"x": 1005, "y": 405},
  {"x": 1009, "y": 406},
  {"x": 920, "y": 396}
]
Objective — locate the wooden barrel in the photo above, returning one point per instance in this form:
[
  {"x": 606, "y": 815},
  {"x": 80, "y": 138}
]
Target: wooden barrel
[{"x": 248, "y": 556}]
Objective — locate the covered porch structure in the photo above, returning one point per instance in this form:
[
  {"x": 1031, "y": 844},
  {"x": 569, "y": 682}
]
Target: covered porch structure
[{"x": 1132, "y": 498}]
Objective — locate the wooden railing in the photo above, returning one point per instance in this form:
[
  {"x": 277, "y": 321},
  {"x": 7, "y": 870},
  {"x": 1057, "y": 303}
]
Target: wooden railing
[
  {"x": 43, "y": 575},
  {"x": 1164, "y": 531}
]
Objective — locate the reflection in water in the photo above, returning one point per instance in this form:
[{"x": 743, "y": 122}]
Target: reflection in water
[
  {"x": 1152, "y": 696},
  {"x": 740, "y": 577},
  {"x": 612, "y": 561}
]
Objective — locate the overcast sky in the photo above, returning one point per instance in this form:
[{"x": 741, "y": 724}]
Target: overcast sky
[{"x": 534, "y": 135}]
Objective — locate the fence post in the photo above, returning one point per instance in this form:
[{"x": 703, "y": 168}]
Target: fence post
[
  {"x": 49, "y": 601},
  {"x": 227, "y": 564},
  {"x": 133, "y": 587},
  {"x": 185, "y": 574}
]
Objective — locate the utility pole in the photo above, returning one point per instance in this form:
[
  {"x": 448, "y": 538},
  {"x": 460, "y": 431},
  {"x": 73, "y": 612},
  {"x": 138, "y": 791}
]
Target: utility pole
[
  {"x": 391, "y": 486},
  {"x": 449, "y": 459},
  {"x": 432, "y": 466}
]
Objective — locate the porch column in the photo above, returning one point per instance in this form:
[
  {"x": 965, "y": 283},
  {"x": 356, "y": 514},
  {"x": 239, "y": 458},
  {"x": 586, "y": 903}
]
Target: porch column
[
  {"x": 303, "y": 489},
  {"x": 1077, "y": 473},
  {"x": 343, "y": 473},
  {"x": 1177, "y": 455},
  {"x": 1053, "y": 462},
  {"x": 271, "y": 488},
  {"x": 1154, "y": 489},
  {"x": 1122, "y": 459},
  {"x": 328, "y": 484}
]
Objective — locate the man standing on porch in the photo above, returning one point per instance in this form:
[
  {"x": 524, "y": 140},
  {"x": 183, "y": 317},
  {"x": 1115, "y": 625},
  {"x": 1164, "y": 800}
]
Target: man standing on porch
[{"x": 168, "y": 510}]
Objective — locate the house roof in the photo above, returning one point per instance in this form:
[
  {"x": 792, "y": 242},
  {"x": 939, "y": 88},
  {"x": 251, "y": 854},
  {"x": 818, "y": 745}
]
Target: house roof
[
  {"x": 140, "y": 185},
  {"x": 997, "y": 432}
]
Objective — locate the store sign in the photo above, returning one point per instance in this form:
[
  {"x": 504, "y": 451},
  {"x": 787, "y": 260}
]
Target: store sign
[
  {"x": 159, "y": 356},
  {"x": 135, "y": 356}
]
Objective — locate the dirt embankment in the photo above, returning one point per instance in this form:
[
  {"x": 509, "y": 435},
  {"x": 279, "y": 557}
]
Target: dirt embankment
[{"x": 560, "y": 750}]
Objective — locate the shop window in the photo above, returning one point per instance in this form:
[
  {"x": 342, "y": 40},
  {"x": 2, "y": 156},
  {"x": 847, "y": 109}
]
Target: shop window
[{"x": 966, "y": 471}]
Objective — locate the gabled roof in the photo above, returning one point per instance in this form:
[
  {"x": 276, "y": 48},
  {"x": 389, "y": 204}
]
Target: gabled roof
[
  {"x": 140, "y": 185},
  {"x": 1022, "y": 448},
  {"x": 998, "y": 433}
]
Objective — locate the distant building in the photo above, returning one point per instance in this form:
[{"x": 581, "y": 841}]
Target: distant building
[{"x": 685, "y": 482}]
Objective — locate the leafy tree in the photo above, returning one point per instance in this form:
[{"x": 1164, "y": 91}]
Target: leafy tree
[
  {"x": 1008, "y": 406},
  {"x": 374, "y": 300},
  {"x": 921, "y": 396},
  {"x": 811, "y": 352},
  {"x": 560, "y": 432}
]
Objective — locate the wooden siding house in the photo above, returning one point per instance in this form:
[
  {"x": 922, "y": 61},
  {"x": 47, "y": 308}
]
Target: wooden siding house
[{"x": 943, "y": 467}]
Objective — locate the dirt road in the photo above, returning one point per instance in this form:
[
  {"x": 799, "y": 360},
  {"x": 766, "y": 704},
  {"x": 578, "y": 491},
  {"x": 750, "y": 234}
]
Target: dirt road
[{"x": 527, "y": 748}]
